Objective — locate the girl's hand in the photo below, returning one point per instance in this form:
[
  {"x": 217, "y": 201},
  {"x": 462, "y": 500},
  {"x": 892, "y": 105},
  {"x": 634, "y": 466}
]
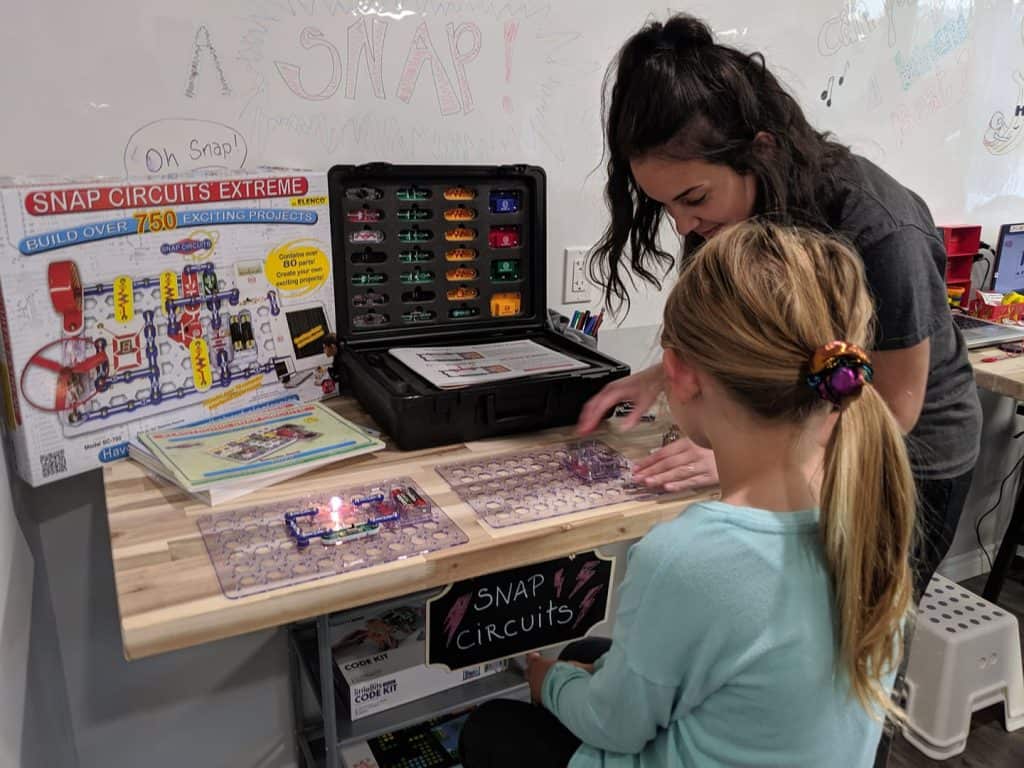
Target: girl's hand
[
  {"x": 679, "y": 466},
  {"x": 536, "y": 670},
  {"x": 641, "y": 388}
]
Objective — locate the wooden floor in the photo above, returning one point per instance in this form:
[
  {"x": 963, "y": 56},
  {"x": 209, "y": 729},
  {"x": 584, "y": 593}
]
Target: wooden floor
[{"x": 989, "y": 745}]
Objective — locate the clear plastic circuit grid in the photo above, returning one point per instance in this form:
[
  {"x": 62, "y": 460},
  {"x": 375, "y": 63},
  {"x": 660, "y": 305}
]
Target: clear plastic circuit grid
[
  {"x": 536, "y": 485},
  {"x": 256, "y": 550}
]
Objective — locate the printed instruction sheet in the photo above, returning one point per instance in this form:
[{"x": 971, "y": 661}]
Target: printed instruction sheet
[{"x": 450, "y": 367}]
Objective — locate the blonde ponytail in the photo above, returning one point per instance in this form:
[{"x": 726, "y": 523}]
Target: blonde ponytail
[
  {"x": 752, "y": 307},
  {"x": 867, "y": 522}
]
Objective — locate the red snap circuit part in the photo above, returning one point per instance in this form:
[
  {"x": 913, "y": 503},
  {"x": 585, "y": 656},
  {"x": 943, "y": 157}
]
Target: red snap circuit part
[{"x": 66, "y": 294}]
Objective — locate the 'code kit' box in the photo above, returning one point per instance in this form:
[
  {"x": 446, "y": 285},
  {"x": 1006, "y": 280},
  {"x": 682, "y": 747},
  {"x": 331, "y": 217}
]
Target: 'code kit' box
[
  {"x": 135, "y": 304},
  {"x": 380, "y": 660}
]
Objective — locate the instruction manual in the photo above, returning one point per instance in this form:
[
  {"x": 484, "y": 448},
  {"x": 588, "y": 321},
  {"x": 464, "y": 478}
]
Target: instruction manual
[
  {"x": 256, "y": 444},
  {"x": 450, "y": 367}
]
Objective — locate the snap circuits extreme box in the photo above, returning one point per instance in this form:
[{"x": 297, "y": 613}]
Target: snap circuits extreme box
[{"x": 135, "y": 304}]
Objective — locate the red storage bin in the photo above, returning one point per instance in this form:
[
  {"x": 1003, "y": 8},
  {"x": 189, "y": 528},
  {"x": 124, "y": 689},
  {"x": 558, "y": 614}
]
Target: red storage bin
[
  {"x": 962, "y": 243},
  {"x": 961, "y": 240}
]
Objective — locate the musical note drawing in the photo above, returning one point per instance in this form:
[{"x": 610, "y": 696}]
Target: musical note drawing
[{"x": 826, "y": 95}]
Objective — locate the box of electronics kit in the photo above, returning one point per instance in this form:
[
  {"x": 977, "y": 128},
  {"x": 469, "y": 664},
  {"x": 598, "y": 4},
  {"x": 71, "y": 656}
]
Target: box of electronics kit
[
  {"x": 380, "y": 655},
  {"x": 136, "y": 304},
  {"x": 445, "y": 256}
]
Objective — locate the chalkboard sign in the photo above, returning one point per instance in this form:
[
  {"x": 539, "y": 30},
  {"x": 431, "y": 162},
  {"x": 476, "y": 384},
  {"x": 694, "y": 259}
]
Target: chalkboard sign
[{"x": 519, "y": 610}]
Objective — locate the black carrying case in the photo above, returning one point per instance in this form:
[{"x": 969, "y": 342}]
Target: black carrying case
[{"x": 388, "y": 312}]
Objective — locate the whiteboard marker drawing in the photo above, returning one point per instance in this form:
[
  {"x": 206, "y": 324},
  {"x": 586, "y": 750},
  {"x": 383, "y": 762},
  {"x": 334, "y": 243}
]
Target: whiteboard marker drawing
[
  {"x": 366, "y": 43},
  {"x": 1002, "y": 136},
  {"x": 421, "y": 52},
  {"x": 826, "y": 95},
  {"x": 511, "y": 31},
  {"x": 309, "y": 38},
  {"x": 178, "y": 145},
  {"x": 461, "y": 58},
  {"x": 201, "y": 43}
]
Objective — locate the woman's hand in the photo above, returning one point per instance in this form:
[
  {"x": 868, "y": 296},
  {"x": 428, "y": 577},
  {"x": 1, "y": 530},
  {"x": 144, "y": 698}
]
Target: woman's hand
[
  {"x": 642, "y": 389},
  {"x": 679, "y": 466},
  {"x": 536, "y": 670}
]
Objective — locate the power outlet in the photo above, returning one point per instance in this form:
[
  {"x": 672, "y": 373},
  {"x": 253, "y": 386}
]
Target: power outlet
[{"x": 576, "y": 286}]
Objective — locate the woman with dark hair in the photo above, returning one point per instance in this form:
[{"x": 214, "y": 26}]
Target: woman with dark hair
[{"x": 706, "y": 134}]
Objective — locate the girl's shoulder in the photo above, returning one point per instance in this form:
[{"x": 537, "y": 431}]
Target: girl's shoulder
[{"x": 708, "y": 534}]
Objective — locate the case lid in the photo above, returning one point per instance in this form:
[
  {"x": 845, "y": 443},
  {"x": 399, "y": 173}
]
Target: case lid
[{"x": 437, "y": 250}]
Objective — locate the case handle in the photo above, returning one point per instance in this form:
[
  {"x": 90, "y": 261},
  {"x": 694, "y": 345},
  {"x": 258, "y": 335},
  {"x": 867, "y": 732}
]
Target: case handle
[{"x": 516, "y": 419}]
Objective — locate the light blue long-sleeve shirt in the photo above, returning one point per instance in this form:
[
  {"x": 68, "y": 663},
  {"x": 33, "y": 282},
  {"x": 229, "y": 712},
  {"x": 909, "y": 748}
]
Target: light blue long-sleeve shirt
[{"x": 724, "y": 653}]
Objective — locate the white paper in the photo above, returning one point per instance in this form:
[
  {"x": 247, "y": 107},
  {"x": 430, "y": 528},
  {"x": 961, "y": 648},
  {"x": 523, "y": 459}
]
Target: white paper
[{"x": 449, "y": 367}]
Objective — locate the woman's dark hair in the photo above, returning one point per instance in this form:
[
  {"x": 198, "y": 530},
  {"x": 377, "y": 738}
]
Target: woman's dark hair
[{"x": 677, "y": 93}]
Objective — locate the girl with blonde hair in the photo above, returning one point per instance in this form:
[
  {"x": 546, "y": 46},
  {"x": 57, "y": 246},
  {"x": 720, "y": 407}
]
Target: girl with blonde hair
[{"x": 764, "y": 628}]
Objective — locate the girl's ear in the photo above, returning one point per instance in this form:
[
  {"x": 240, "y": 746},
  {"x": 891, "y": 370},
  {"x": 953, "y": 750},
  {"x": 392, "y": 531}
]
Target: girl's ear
[
  {"x": 681, "y": 380},
  {"x": 765, "y": 140}
]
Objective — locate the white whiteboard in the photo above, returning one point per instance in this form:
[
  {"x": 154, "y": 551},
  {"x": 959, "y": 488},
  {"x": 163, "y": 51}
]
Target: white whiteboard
[{"x": 929, "y": 90}]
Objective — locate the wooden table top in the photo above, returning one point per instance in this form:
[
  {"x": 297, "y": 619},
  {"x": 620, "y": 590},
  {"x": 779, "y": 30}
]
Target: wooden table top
[
  {"x": 1004, "y": 376},
  {"x": 169, "y": 597}
]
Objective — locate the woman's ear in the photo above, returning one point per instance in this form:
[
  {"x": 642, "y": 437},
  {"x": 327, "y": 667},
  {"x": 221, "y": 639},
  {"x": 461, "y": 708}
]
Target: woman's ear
[
  {"x": 765, "y": 140},
  {"x": 681, "y": 380}
]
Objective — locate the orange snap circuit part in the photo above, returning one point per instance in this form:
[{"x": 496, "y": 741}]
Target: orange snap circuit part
[
  {"x": 462, "y": 293},
  {"x": 461, "y": 273},
  {"x": 460, "y": 254},
  {"x": 459, "y": 193},
  {"x": 461, "y": 213},
  {"x": 460, "y": 234},
  {"x": 506, "y": 304}
]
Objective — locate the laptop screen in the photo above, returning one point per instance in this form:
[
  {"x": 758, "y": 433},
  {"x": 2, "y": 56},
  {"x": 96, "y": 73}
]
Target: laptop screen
[{"x": 1009, "y": 266}]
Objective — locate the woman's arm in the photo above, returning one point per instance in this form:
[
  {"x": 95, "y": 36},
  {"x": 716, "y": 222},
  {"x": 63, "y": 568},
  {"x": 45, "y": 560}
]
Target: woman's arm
[{"x": 901, "y": 378}]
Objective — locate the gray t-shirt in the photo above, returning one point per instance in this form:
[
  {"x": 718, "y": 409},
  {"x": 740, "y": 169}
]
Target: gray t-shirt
[{"x": 905, "y": 263}]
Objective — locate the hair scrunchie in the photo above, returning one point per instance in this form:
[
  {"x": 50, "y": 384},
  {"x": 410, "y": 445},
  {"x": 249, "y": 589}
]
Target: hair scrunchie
[{"x": 838, "y": 372}]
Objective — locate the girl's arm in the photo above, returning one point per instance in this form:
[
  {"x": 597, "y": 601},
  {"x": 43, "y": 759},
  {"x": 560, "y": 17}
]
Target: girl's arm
[
  {"x": 674, "y": 627},
  {"x": 616, "y": 709}
]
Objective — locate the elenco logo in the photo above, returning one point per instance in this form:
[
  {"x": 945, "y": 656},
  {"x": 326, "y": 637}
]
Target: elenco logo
[{"x": 187, "y": 246}]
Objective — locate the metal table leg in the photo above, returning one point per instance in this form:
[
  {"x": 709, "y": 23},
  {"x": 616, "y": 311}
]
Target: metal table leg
[
  {"x": 295, "y": 687},
  {"x": 1007, "y": 550},
  {"x": 323, "y": 644}
]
